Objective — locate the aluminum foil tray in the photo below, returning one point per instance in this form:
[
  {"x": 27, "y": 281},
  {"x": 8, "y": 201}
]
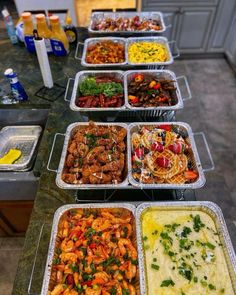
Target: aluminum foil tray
[
  {"x": 114, "y": 15},
  {"x": 80, "y": 76},
  {"x": 23, "y": 138},
  {"x": 91, "y": 41},
  {"x": 193, "y": 155},
  {"x": 208, "y": 207},
  {"x": 161, "y": 40},
  {"x": 127, "y": 42},
  {"x": 69, "y": 132},
  {"x": 53, "y": 241},
  {"x": 159, "y": 74}
]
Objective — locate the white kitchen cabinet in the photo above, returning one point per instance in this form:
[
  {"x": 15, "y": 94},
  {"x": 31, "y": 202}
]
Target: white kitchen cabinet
[{"x": 194, "y": 26}]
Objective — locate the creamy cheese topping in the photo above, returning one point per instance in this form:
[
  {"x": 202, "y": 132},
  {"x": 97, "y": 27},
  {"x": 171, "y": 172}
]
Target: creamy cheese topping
[{"x": 183, "y": 254}]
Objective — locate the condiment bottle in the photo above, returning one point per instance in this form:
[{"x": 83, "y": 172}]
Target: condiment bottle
[
  {"x": 9, "y": 26},
  {"x": 59, "y": 42},
  {"x": 17, "y": 89},
  {"x": 70, "y": 30},
  {"x": 28, "y": 31},
  {"x": 44, "y": 31}
]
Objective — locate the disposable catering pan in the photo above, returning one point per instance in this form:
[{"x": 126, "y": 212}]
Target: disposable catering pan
[
  {"x": 81, "y": 76},
  {"x": 161, "y": 40},
  {"x": 91, "y": 41},
  {"x": 62, "y": 212},
  {"x": 209, "y": 208},
  {"x": 192, "y": 155},
  {"x": 181, "y": 93},
  {"x": 69, "y": 133},
  {"x": 160, "y": 75},
  {"x": 170, "y": 45},
  {"x": 147, "y": 15},
  {"x": 23, "y": 138}
]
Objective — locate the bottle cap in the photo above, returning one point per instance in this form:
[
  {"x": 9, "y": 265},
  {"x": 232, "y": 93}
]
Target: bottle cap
[
  {"x": 26, "y": 15},
  {"x": 54, "y": 19},
  {"x": 40, "y": 16},
  {"x": 8, "y": 72}
]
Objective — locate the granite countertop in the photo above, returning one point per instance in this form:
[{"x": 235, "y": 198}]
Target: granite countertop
[{"x": 49, "y": 197}]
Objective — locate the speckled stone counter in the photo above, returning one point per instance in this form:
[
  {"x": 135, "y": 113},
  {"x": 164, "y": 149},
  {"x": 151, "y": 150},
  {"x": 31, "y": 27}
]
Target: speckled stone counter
[{"x": 49, "y": 197}]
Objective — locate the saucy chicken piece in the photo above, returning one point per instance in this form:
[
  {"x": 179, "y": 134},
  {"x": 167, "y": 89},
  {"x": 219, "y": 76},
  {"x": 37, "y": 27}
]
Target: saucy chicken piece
[{"x": 96, "y": 155}]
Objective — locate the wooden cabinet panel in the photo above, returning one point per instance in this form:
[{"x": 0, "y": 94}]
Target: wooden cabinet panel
[
  {"x": 14, "y": 217},
  {"x": 193, "y": 30}
]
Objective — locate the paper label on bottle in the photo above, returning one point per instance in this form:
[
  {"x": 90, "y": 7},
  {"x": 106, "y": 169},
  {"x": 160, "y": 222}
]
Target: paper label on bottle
[
  {"x": 13, "y": 80},
  {"x": 58, "y": 48},
  {"x": 71, "y": 36},
  {"x": 29, "y": 43},
  {"x": 48, "y": 45}
]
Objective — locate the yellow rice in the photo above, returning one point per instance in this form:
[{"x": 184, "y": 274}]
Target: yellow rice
[{"x": 147, "y": 52}]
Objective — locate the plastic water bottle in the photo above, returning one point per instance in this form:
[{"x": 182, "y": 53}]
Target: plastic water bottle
[
  {"x": 9, "y": 26},
  {"x": 17, "y": 89}
]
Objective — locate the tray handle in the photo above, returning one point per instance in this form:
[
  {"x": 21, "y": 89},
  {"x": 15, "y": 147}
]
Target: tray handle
[
  {"x": 174, "y": 48},
  {"x": 51, "y": 152},
  {"x": 167, "y": 16},
  {"x": 67, "y": 88},
  {"x": 189, "y": 96},
  {"x": 212, "y": 165},
  {"x": 78, "y": 46}
]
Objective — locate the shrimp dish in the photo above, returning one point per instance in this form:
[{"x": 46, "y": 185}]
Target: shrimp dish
[
  {"x": 95, "y": 253},
  {"x": 96, "y": 154}
]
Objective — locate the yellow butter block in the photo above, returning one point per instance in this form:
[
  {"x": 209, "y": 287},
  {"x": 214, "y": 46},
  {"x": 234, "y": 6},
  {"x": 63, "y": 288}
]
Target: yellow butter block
[{"x": 10, "y": 157}]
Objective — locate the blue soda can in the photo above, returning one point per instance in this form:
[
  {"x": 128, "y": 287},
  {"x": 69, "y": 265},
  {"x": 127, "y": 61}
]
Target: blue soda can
[{"x": 17, "y": 89}]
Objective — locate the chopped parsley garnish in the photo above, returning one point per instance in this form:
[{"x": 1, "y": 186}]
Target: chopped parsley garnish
[
  {"x": 125, "y": 292},
  {"x": 74, "y": 267},
  {"x": 197, "y": 223},
  {"x": 210, "y": 246},
  {"x": 91, "y": 139},
  {"x": 204, "y": 283},
  {"x": 155, "y": 266},
  {"x": 79, "y": 288},
  {"x": 195, "y": 279},
  {"x": 186, "y": 231},
  {"x": 134, "y": 261},
  {"x": 113, "y": 291},
  {"x": 211, "y": 287},
  {"x": 90, "y": 232},
  {"x": 186, "y": 271},
  {"x": 145, "y": 238},
  {"x": 167, "y": 283},
  {"x": 185, "y": 244},
  {"x": 170, "y": 253},
  {"x": 56, "y": 261},
  {"x": 111, "y": 260},
  {"x": 165, "y": 236},
  {"x": 86, "y": 277},
  {"x": 154, "y": 260},
  {"x": 182, "y": 293},
  {"x": 171, "y": 227}
]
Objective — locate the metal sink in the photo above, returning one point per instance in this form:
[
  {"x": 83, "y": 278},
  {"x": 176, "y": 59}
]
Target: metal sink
[{"x": 20, "y": 185}]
